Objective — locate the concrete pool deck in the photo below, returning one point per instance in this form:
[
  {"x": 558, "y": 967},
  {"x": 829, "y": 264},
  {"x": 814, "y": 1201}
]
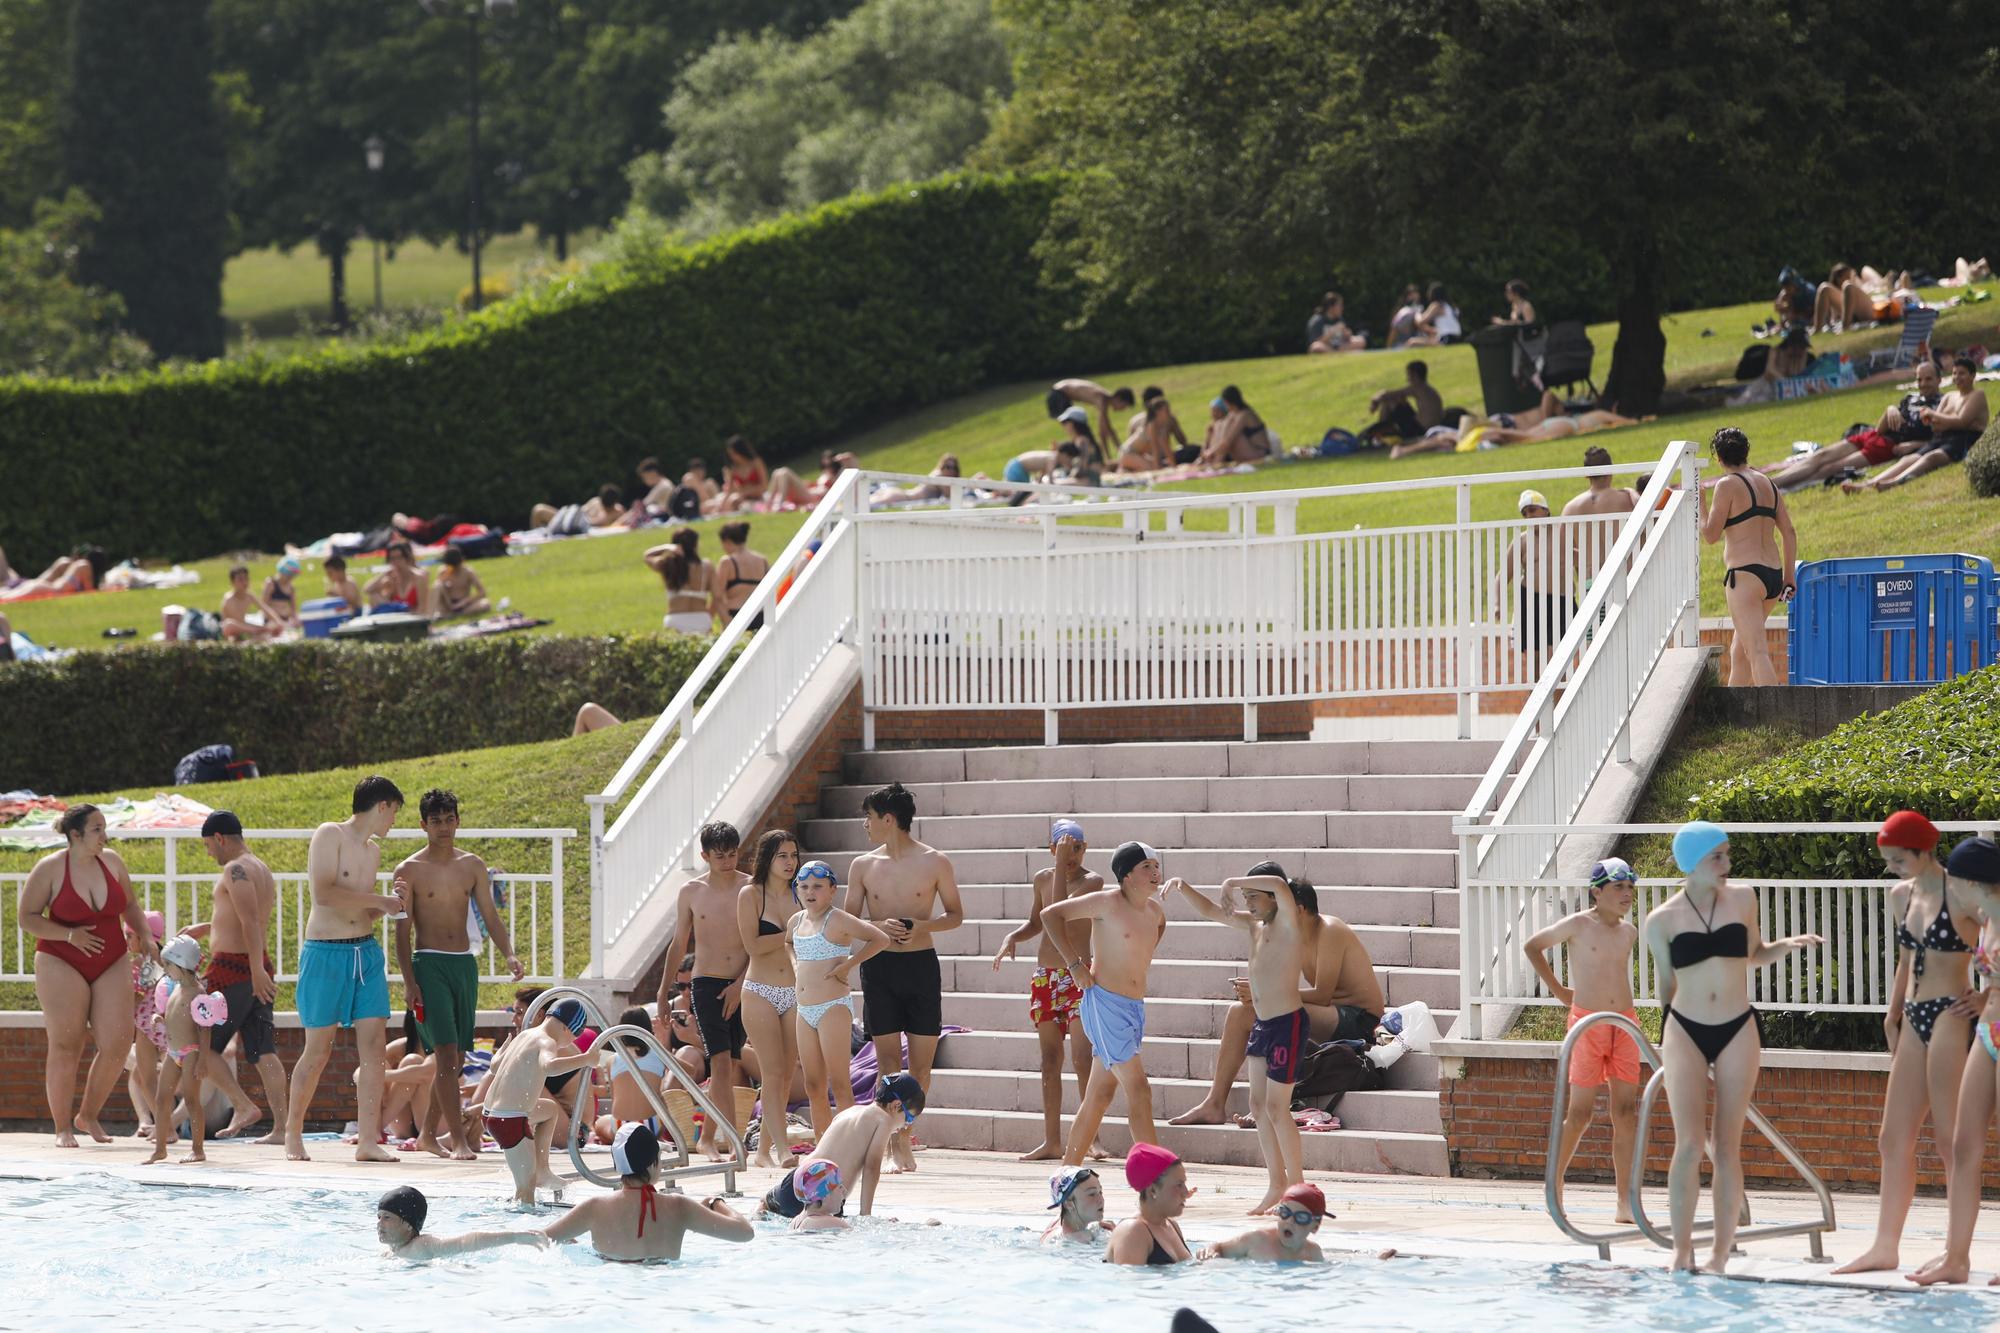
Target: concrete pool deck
[{"x": 1418, "y": 1216}]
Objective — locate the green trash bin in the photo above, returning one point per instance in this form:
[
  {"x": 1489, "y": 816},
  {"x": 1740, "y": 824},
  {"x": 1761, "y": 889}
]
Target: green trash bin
[{"x": 1494, "y": 347}]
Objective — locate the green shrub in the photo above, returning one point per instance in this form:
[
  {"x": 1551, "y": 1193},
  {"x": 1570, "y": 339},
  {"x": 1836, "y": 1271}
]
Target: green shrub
[
  {"x": 1938, "y": 753},
  {"x": 1982, "y": 463},
  {"x": 790, "y": 332},
  {"x": 99, "y": 721}
]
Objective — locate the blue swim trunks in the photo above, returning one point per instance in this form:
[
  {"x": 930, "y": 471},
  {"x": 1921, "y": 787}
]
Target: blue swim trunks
[
  {"x": 1016, "y": 471},
  {"x": 342, "y": 982},
  {"x": 1115, "y": 1024}
]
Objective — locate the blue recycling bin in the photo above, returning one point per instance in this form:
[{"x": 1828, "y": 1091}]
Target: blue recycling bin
[{"x": 1893, "y": 620}]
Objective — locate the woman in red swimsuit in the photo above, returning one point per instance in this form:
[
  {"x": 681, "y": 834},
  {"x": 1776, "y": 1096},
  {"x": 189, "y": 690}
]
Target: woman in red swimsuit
[
  {"x": 744, "y": 479},
  {"x": 72, "y": 905}
]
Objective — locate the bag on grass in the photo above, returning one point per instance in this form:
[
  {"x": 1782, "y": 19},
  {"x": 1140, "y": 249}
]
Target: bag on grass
[{"x": 1337, "y": 442}]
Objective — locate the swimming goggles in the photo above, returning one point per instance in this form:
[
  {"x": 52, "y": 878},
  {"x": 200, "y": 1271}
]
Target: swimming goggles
[{"x": 1286, "y": 1212}]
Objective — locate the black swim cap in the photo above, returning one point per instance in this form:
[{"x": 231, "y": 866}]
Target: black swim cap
[
  {"x": 405, "y": 1202},
  {"x": 1975, "y": 859}
]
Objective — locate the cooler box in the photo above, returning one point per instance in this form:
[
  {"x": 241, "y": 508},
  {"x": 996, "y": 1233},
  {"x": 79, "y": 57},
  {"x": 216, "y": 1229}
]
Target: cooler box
[
  {"x": 387, "y": 627},
  {"x": 320, "y": 615},
  {"x": 1893, "y": 620}
]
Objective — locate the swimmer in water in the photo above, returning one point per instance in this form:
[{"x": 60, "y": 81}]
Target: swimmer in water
[
  {"x": 1077, "y": 1195},
  {"x": 399, "y": 1224},
  {"x": 854, "y": 1143},
  {"x": 818, "y": 1186},
  {"x": 1153, "y": 1239},
  {"x": 639, "y": 1222},
  {"x": 1288, "y": 1239}
]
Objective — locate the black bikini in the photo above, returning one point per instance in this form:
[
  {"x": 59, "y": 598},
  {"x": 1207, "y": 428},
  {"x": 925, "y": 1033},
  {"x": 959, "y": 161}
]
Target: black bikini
[
  {"x": 1698, "y": 946},
  {"x": 1773, "y": 577},
  {"x": 1942, "y": 936}
]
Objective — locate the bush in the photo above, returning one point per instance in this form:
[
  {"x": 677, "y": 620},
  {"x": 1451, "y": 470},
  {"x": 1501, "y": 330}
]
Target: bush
[
  {"x": 790, "y": 332},
  {"x": 1938, "y": 753},
  {"x": 1982, "y": 463},
  {"x": 298, "y": 707}
]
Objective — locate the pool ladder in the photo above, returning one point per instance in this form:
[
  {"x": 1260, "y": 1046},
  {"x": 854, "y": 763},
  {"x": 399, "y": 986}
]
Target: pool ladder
[
  {"x": 675, "y": 1165},
  {"x": 1636, "y": 1181}
]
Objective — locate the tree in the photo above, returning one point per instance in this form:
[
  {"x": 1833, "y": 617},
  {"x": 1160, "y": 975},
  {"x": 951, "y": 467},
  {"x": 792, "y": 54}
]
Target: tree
[
  {"x": 34, "y": 41},
  {"x": 143, "y": 138},
  {"x": 897, "y": 90},
  {"x": 51, "y": 325},
  {"x": 1620, "y": 157}
]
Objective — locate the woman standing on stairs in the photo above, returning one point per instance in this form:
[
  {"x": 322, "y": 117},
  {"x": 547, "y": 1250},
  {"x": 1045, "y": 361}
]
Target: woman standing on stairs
[{"x": 769, "y": 986}]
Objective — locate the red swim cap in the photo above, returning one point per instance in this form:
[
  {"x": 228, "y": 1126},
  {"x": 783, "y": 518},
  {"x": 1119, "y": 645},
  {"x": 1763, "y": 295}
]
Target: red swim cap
[
  {"x": 1908, "y": 829},
  {"x": 1306, "y": 1195}
]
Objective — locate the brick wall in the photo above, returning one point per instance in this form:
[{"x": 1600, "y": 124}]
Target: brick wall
[
  {"x": 1496, "y": 1124},
  {"x": 23, "y": 1103},
  {"x": 1775, "y": 635}
]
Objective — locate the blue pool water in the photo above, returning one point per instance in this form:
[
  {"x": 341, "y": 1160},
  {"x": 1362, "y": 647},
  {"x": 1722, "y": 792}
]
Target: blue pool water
[{"x": 95, "y": 1251}]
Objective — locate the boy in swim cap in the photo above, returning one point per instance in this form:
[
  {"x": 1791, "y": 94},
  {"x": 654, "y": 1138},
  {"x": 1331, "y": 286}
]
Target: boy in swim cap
[
  {"x": 639, "y": 1222},
  {"x": 1053, "y": 996},
  {"x": 1287, "y": 1238},
  {"x": 1126, "y": 925},
  {"x": 1600, "y": 941},
  {"x": 399, "y": 1224},
  {"x": 519, "y": 1114}
]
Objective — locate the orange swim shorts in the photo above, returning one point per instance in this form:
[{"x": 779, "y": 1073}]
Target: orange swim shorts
[{"x": 1605, "y": 1052}]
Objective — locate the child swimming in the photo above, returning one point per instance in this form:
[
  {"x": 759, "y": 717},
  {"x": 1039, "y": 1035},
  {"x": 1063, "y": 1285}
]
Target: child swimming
[{"x": 399, "y": 1224}]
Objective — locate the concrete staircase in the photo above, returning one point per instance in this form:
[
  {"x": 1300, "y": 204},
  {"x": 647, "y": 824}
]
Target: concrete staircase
[{"x": 1368, "y": 822}]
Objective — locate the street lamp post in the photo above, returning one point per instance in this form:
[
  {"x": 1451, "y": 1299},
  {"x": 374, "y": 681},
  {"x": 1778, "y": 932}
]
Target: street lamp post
[
  {"x": 472, "y": 13},
  {"x": 375, "y": 149}
]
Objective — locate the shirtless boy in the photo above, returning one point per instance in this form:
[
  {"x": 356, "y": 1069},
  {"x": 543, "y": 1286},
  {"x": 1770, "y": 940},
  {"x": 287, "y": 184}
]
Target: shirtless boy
[
  {"x": 458, "y": 591},
  {"x": 338, "y": 584},
  {"x": 443, "y": 886},
  {"x": 707, "y": 912},
  {"x": 343, "y": 977},
  {"x": 854, "y": 1143},
  {"x": 240, "y": 970},
  {"x": 1287, "y": 1239},
  {"x": 1089, "y": 394},
  {"x": 899, "y": 888},
  {"x": 1600, "y": 944},
  {"x": 638, "y": 1222},
  {"x": 399, "y": 1224},
  {"x": 519, "y": 1114},
  {"x": 1126, "y": 925},
  {"x": 1274, "y": 919},
  {"x": 1052, "y": 994},
  {"x": 239, "y": 602}
]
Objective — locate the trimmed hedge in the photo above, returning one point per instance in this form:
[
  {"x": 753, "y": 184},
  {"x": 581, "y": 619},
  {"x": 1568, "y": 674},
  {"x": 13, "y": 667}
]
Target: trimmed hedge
[
  {"x": 1982, "y": 463},
  {"x": 790, "y": 332},
  {"x": 1938, "y": 753},
  {"x": 99, "y": 721}
]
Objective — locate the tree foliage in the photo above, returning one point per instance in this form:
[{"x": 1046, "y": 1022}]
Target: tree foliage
[
  {"x": 898, "y": 90},
  {"x": 34, "y": 39},
  {"x": 51, "y": 324}
]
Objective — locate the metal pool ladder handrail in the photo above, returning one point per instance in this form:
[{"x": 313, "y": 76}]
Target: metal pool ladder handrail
[
  {"x": 676, "y": 1165},
  {"x": 1636, "y": 1182}
]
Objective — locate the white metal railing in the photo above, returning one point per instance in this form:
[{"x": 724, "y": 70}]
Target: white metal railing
[
  {"x": 531, "y": 901},
  {"x": 1852, "y": 970}
]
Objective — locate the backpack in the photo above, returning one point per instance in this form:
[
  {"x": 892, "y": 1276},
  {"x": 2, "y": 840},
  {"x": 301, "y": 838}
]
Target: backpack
[
  {"x": 1332, "y": 1069},
  {"x": 1337, "y": 442},
  {"x": 1750, "y": 366},
  {"x": 213, "y": 763},
  {"x": 486, "y": 544},
  {"x": 684, "y": 504}
]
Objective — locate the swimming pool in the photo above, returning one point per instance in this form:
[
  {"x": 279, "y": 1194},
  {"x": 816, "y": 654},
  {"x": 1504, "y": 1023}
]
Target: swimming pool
[{"x": 94, "y": 1250}]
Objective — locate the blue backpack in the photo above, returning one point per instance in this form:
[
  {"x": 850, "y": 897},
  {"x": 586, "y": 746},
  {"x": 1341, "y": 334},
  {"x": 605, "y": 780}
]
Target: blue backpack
[{"x": 1337, "y": 442}]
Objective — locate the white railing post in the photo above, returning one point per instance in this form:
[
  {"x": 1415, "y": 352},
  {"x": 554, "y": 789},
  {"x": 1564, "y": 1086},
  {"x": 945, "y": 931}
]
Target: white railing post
[
  {"x": 559, "y": 900},
  {"x": 1468, "y": 641},
  {"x": 1247, "y": 529},
  {"x": 172, "y": 909},
  {"x": 1050, "y": 664},
  {"x": 597, "y": 923},
  {"x": 1469, "y": 939},
  {"x": 1621, "y": 648},
  {"x": 1690, "y": 626}
]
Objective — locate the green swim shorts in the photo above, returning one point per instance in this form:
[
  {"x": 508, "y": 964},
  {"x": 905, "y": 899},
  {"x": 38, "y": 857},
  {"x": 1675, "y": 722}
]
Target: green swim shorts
[{"x": 449, "y": 983}]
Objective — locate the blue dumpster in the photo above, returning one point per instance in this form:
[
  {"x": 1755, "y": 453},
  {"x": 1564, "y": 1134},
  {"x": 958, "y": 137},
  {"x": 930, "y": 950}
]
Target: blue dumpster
[{"x": 1893, "y": 620}]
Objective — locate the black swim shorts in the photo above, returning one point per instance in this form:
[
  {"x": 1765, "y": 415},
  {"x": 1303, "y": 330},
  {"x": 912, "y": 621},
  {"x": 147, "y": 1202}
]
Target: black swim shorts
[
  {"x": 249, "y": 1017},
  {"x": 903, "y": 992},
  {"x": 719, "y": 1035}
]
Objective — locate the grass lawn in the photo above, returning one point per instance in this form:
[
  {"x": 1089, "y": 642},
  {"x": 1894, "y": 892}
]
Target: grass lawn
[{"x": 516, "y": 786}]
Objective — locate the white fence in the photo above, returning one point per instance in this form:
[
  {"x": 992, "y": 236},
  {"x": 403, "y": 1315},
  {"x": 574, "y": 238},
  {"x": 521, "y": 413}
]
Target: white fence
[
  {"x": 1851, "y": 971},
  {"x": 530, "y": 900}
]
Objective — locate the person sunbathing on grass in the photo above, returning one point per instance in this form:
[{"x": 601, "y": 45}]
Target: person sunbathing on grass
[
  {"x": 77, "y": 572},
  {"x": 1956, "y": 422},
  {"x": 1899, "y": 432}
]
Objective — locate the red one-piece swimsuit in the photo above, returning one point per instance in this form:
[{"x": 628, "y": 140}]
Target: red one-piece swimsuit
[{"x": 69, "y": 908}]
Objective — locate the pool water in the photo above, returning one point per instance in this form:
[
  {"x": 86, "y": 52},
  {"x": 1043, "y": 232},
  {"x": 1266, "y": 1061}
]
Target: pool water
[{"x": 99, "y": 1251}]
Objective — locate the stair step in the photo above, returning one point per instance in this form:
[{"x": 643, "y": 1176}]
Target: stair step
[
  {"x": 1357, "y": 1151},
  {"x": 1342, "y": 829},
  {"x": 1019, "y": 1050},
  {"x": 1408, "y": 1111},
  {"x": 1188, "y": 759},
  {"x": 1051, "y": 797},
  {"x": 1421, "y": 868},
  {"x": 1389, "y": 946},
  {"x": 1183, "y": 1015},
  {"x": 1356, "y": 905}
]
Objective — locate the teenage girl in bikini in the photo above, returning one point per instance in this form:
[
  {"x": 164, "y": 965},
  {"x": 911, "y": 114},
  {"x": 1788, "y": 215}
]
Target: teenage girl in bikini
[
  {"x": 1748, "y": 516},
  {"x": 823, "y": 940},
  {"x": 770, "y": 990},
  {"x": 1704, "y": 940},
  {"x": 1929, "y": 1023}
]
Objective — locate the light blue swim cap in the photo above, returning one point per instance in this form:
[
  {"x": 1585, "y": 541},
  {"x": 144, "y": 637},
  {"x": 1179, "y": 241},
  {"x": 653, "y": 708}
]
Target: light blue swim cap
[{"x": 1696, "y": 840}]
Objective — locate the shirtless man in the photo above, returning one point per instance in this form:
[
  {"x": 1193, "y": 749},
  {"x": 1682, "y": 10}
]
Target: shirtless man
[
  {"x": 239, "y": 602},
  {"x": 1088, "y": 394},
  {"x": 706, "y": 911},
  {"x": 1041, "y": 465},
  {"x": 443, "y": 885},
  {"x": 1599, "y": 499},
  {"x": 343, "y": 978},
  {"x": 338, "y": 584},
  {"x": 458, "y": 591},
  {"x": 1899, "y": 432},
  {"x": 1274, "y": 918},
  {"x": 1600, "y": 942},
  {"x": 854, "y": 1143},
  {"x": 1126, "y": 926},
  {"x": 240, "y": 970},
  {"x": 1342, "y": 997},
  {"x": 898, "y": 888},
  {"x": 399, "y": 1224},
  {"x": 1956, "y": 423},
  {"x": 1052, "y": 993},
  {"x": 1536, "y": 568},
  {"x": 519, "y": 1113},
  {"x": 1410, "y": 410},
  {"x": 638, "y": 1222}
]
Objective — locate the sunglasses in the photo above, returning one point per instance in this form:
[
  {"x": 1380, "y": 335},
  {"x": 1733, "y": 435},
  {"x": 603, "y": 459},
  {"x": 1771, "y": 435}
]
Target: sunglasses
[{"x": 1286, "y": 1212}]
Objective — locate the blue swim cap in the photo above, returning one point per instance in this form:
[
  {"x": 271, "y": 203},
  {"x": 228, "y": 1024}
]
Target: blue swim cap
[
  {"x": 570, "y": 1013},
  {"x": 1065, "y": 828},
  {"x": 1696, "y": 840}
]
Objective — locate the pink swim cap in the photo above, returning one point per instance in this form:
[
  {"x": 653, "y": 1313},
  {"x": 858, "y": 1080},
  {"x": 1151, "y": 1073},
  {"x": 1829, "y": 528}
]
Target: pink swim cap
[
  {"x": 158, "y": 923},
  {"x": 1146, "y": 1163}
]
